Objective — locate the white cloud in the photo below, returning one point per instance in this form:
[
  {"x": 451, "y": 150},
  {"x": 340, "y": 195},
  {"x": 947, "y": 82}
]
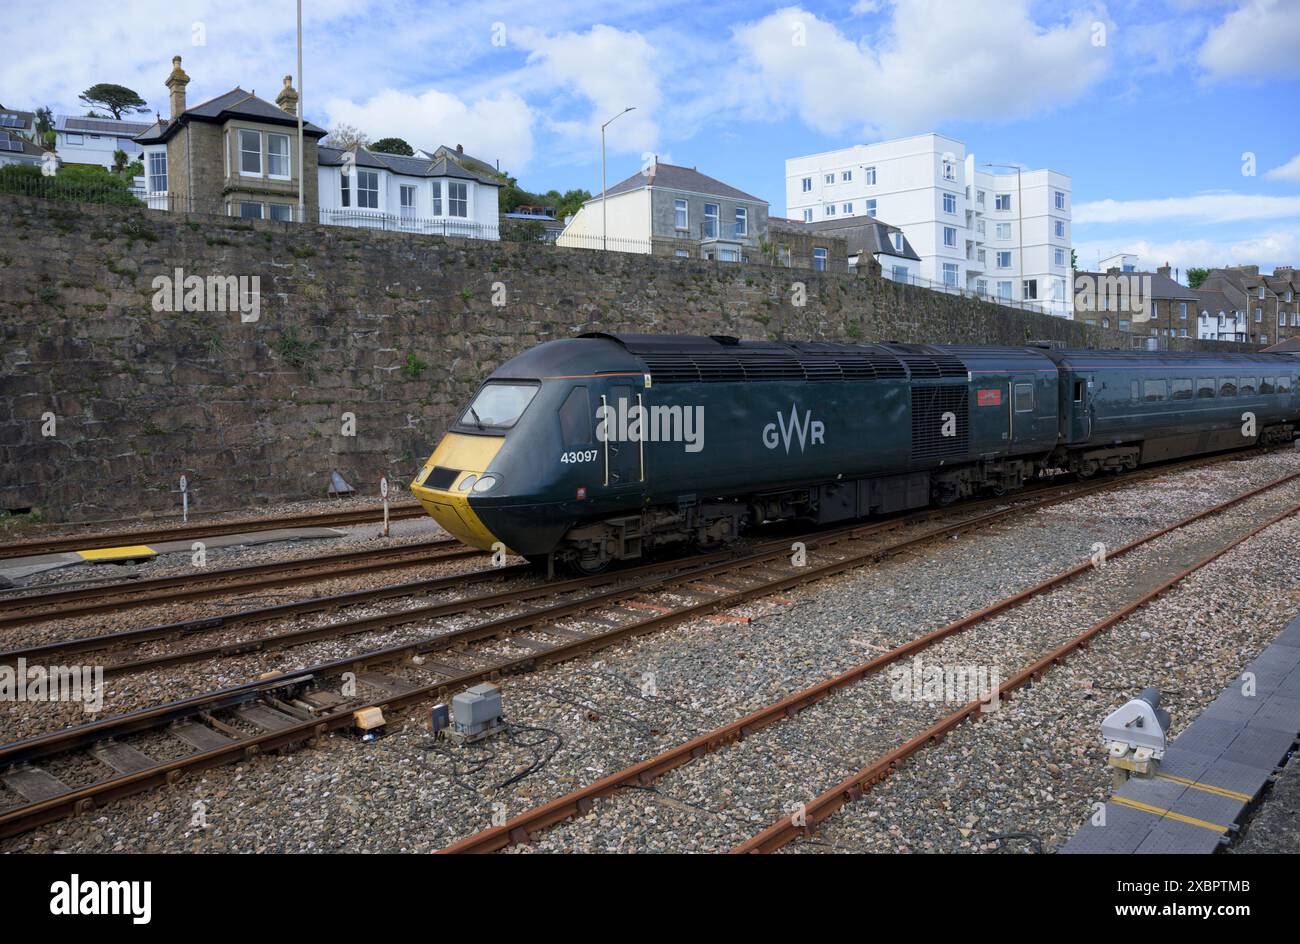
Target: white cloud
[
  {"x": 611, "y": 69},
  {"x": 1257, "y": 39},
  {"x": 495, "y": 128},
  {"x": 1267, "y": 250},
  {"x": 977, "y": 60},
  {"x": 1205, "y": 207},
  {"x": 1288, "y": 171}
]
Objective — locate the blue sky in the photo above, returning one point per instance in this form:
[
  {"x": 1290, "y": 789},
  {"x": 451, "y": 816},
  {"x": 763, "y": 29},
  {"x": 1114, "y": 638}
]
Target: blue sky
[{"x": 1148, "y": 106}]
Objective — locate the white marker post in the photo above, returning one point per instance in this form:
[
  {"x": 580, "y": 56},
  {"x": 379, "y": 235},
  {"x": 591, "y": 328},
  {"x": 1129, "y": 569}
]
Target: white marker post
[
  {"x": 383, "y": 493},
  {"x": 185, "y": 500}
]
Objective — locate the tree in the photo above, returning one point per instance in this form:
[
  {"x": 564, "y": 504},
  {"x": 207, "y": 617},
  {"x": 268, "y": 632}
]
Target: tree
[
  {"x": 345, "y": 138},
  {"x": 44, "y": 121},
  {"x": 393, "y": 146},
  {"x": 1074, "y": 260},
  {"x": 1195, "y": 277},
  {"x": 118, "y": 99},
  {"x": 119, "y": 161}
]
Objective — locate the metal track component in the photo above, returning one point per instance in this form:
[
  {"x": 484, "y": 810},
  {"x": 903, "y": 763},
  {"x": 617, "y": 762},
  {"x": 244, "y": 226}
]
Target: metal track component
[
  {"x": 852, "y": 788},
  {"x": 579, "y": 802},
  {"x": 86, "y": 542},
  {"x": 200, "y": 710},
  {"x": 83, "y": 601}
]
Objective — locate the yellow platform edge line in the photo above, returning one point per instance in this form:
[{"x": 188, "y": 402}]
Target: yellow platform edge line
[
  {"x": 116, "y": 553},
  {"x": 1208, "y": 788},
  {"x": 1169, "y": 814}
]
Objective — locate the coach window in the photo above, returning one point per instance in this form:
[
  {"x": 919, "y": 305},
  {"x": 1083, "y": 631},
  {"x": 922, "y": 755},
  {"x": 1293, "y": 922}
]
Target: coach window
[
  {"x": 1153, "y": 391},
  {"x": 1247, "y": 388},
  {"x": 1284, "y": 384},
  {"x": 1024, "y": 398},
  {"x": 575, "y": 418},
  {"x": 1266, "y": 385},
  {"x": 1227, "y": 386},
  {"x": 1205, "y": 388},
  {"x": 1180, "y": 389}
]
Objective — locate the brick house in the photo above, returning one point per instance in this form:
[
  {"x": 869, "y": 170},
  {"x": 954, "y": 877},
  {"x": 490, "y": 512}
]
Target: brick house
[
  {"x": 235, "y": 154},
  {"x": 1269, "y": 302},
  {"x": 1151, "y": 306}
]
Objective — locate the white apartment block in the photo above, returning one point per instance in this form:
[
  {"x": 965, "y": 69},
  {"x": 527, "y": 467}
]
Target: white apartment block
[{"x": 990, "y": 230}]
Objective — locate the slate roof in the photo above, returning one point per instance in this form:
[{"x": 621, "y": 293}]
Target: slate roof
[
  {"x": 861, "y": 234},
  {"x": 672, "y": 177},
  {"x": 1162, "y": 286},
  {"x": 400, "y": 164},
  {"x": 237, "y": 103}
]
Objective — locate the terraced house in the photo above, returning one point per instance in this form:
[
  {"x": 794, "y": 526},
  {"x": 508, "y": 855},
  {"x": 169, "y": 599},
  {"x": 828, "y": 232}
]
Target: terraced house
[
  {"x": 235, "y": 154},
  {"x": 1268, "y": 302},
  {"x": 1152, "y": 306}
]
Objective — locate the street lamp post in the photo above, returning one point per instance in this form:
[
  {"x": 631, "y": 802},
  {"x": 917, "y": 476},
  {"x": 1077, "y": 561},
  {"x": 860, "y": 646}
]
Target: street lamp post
[
  {"x": 301, "y": 218},
  {"x": 1020, "y": 229},
  {"x": 604, "y": 216}
]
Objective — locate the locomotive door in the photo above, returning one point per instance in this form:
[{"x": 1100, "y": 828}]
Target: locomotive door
[
  {"x": 624, "y": 455},
  {"x": 1082, "y": 407}
]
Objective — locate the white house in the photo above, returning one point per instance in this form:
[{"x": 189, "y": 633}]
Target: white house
[
  {"x": 1005, "y": 234},
  {"x": 94, "y": 140},
  {"x": 411, "y": 194}
]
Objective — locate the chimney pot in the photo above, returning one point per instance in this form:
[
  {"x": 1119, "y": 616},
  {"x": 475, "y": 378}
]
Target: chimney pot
[
  {"x": 287, "y": 100},
  {"x": 176, "y": 83},
  {"x": 460, "y": 149}
]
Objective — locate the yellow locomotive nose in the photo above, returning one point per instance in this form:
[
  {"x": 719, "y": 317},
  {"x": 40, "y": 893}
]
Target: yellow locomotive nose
[{"x": 443, "y": 485}]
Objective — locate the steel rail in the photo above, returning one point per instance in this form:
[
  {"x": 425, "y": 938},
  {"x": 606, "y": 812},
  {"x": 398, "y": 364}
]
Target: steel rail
[
  {"x": 86, "y": 542},
  {"x": 854, "y": 788},
  {"x": 579, "y": 802},
  {"x": 65, "y": 604},
  {"x": 33, "y": 814},
  {"x": 81, "y": 799}
]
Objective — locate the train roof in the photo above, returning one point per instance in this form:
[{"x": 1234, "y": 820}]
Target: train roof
[{"x": 1083, "y": 359}]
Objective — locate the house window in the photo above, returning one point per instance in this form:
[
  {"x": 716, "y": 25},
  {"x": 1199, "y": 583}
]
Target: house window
[
  {"x": 848, "y": 209},
  {"x": 949, "y": 170},
  {"x": 680, "y": 218},
  {"x": 368, "y": 189},
  {"x": 742, "y": 222},
  {"x": 277, "y": 156},
  {"x": 1259, "y": 314},
  {"x": 710, "y": 228},
  {"x": 250, "y": 211},
  {"x": 1060, "y": 200},
  {"x": 807, "y": 216},
  {"x": 406, "y": 197},
  {"x": 950, "y": 236},
  {"x": 682, "y": 254},
  {"x": 871, "y": 208},
  {"x": 871, "y": 176},
  {"x": 1123, "y": 324},
  {"x": 437, "y": 198},
  {"x": 819, "y": 258},
  {"x": 1004, "y": 260},
  {"x": 158, "y": 172},
  {"x": 830, "y": 209},
  {"x": 981, "y": 286},
  {"x": 1029, "y": 288},
  {"x": 1004, "y": 291},
  {"x": 74, "y": 138},
  {"x": 281, "y": 211},
  {"x": 345, "y": 189},
  {"x": 898, "y": 241},
  {"x": 1182, "y": 310},
  {"x": 900, "y": 274},
  {"x": 1002, "y": 201},
  {"x": 1003, "y": 231},
  {"x": 950, "y": 273},
  {"x": 807, "y": 184},
  {"x": 830, "y": 178},
  {"x": 457, "y": 199},
  {"x": 1058, "y": 255},
  {"x": 846, "y": 176},
  {"x": 950, "y": 203},
  {"x": 979, "y": 197},
  {"x": 250, "y": 152},
  {"x": 1059, "y": 229},
  {"x": 728, "y": 255}
]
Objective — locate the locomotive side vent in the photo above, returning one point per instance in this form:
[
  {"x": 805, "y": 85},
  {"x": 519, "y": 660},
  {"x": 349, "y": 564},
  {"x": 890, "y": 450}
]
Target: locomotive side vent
[{"x": 929, "y": 406}]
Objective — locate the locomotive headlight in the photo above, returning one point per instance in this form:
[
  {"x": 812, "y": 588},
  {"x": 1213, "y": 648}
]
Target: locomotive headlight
[
  {"x": 467, "y": 482},
  {"x": 485, "y": 484}
]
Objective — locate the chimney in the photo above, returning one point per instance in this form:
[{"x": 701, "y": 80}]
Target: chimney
[
  {"x": 1165, "y": 270},
  {"x": 287, "y": 100},
  {"x": 176, "y": 83},
  {"x": 460, "y": 150}
]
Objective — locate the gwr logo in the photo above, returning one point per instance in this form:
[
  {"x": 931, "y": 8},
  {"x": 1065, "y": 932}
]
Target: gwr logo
[{"x": 800, "y": 431}]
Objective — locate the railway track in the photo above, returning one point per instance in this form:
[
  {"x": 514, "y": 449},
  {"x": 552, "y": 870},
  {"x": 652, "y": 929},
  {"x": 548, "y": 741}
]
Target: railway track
[
  {"x": 296, "y": 707},
  {"x": 116, "y": 597},
  {"x": 580, "y": 802},
  {"x": 85, "y": 542}
]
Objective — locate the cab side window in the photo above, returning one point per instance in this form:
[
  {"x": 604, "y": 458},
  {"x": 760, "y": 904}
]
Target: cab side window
[{"x": 576, "y": 418}]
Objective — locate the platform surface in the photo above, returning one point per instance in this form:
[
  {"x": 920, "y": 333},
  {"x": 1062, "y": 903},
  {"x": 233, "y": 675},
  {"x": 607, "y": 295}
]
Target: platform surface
[{"x": 1214, "y": 769}]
